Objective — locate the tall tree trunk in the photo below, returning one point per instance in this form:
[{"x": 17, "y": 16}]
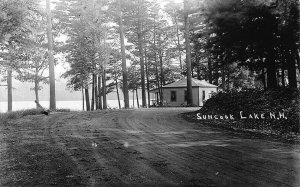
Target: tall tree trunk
[
  {"x": 293, "y": 25},
  {"x": 36, "y": 91},
  {"x": 216, "y": 77},
  {"x": 116, "y": 81},
  {"x": 178, "y": 43},
  {"x": 99, "y": 92},
  {"x": 155, "y": 61},
  {"x": 147, "y": 77},
  {"x": 157, "y": 82},
  {"x": 271, "y": 69},
  {"x": 278, "y": 75},
  {"x": 161, "y": 75},
  {"x": 36, "y": 84},
  {"x": 124, "y": 68},
  {"x": 104, "y": 88},
  {"x": 93, "y": 92},
  {"x": 82, "y": 93},
  {"x": 87, "y": 99},
  {"x": 271, "y": 77},
  {"x": 51, "y": 58},
  {"x": 198, "y": 66},
  {"x": 140, "y": 41},
  {"x": 96, "y": 93},
  {"x": 283, "y": 62},
  {"x": 198, "y": 72},
  {"x": 133, "y": 98},
  {"x": 298, "y": 61},
  {"x": 137, "y": 98},
  {"x": 264, "y": 78},
  {"x": 192, "y": 71},
  {"x": 291, "y": 64},
  {"x": 9, "y": 90},
  {"x": 223, "y": 78},
  {"x": 210, "y": 78},
  {"x": 188, "y": 54},
  {"x": 282, "y": 76}
]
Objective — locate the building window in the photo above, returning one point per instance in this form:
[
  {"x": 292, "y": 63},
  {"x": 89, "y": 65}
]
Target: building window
[
  {"x": 203, "y": 95},
  {"x": 185, "y": 95},
  {"x": 173, "y": 96}
]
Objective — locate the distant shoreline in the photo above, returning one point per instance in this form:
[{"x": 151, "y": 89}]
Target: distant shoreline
[{"x": 75, "y": 105}]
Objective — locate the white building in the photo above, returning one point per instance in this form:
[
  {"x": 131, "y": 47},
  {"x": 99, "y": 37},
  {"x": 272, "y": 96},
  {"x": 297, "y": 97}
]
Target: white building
[{"x": 175, "y": 94}]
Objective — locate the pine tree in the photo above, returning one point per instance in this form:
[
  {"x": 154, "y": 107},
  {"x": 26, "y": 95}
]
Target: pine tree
[
  {"x": 124, "y": 68},
  {"x": 188, "y": 54},
  {"x": 51, "y": 58}
]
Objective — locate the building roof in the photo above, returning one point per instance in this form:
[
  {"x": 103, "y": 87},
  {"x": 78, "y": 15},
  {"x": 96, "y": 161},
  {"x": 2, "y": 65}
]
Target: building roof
[
  {"x": 182, "y": 83},
  {"x": 195, "y": 83}
]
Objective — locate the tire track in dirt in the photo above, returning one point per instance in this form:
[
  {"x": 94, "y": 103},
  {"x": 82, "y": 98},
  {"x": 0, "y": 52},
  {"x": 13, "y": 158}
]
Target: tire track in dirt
[
  {"x": 136, "y": 135},
  {"x": 3, "y": 161},
  {"x": 142, "y": 147},
  {"x": 51, "y": 131},
  {"x": 131, "y": 157},
  {"x": 251, "y": 169},
  {"x": 32, "y": 158},
  {"x": 148, "y": 131},
  {"x": 107, "y": 160}
]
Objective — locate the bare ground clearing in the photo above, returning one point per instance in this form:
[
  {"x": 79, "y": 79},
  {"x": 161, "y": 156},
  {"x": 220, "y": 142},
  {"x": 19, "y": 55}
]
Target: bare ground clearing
[{"x": 139, "y": 147}]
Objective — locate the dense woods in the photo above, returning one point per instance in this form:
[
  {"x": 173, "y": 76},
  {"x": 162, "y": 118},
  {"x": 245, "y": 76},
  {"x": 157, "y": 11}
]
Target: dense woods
[{"x": 131, "y": 45}]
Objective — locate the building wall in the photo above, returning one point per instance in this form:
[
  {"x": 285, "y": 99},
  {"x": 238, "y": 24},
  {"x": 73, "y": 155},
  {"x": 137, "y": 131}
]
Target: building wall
[
  {"x": 179, "y": 96},
  {"x": 197, "y": 95}
]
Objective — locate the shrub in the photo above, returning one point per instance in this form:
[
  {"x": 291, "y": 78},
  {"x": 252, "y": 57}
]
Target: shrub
[{"x": 257, "y": 101}]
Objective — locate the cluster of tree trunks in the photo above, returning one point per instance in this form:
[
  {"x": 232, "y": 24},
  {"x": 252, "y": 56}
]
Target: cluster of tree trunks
[
  {"x": 98, "y": 101},
  {"x": 274, "y": 33}
]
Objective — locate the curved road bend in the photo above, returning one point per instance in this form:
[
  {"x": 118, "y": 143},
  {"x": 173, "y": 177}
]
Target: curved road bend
[{"x": 138, "y": 147}]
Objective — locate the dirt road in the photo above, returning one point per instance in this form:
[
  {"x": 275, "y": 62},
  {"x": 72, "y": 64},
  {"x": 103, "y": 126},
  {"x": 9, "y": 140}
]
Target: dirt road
[{"x": 139, "y": 147}]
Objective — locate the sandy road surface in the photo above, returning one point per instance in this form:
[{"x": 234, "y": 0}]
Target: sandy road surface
[{"x": 138, "y": 147}]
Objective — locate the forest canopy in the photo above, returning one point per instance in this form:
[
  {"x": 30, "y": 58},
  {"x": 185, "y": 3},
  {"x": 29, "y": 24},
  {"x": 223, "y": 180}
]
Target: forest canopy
[{"x": 127, "y": 45}]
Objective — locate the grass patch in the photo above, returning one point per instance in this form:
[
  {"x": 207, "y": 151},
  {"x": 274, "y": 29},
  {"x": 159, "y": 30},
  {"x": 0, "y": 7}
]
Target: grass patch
[
  {"x": 62, "y": 110},
  {"x": 21, "y": 113}
]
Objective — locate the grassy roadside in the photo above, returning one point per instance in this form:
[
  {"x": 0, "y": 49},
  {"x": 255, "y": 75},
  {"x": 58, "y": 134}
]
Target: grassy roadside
[
  {"x": 253, "y": 104},
  {"x": 21, "y": 113}
]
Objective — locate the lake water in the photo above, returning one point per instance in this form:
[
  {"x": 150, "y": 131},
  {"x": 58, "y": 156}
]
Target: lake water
[{"x": 72, "y": 105}]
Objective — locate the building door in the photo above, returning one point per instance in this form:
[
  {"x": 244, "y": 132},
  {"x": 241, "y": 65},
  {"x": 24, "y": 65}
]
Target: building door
[{"x": 173, "y": 96}]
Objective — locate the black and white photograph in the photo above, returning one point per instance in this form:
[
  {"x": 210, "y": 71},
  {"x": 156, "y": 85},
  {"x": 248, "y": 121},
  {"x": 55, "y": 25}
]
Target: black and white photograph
[{"x": 150, "y": 93}]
